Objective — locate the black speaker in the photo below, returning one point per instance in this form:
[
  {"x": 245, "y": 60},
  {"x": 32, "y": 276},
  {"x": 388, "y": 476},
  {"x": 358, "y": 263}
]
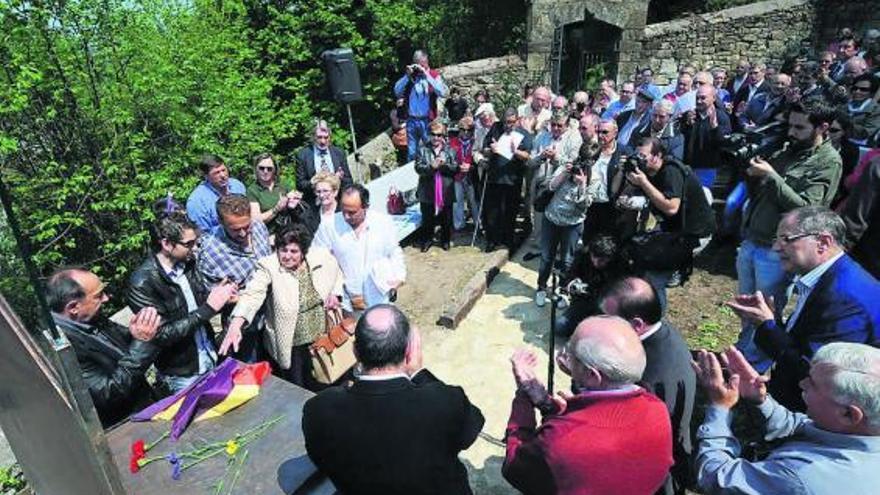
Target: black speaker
[{"x": 342, "y": 75}]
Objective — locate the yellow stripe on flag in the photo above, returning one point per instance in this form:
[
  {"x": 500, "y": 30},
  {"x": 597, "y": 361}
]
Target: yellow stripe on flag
[{"x": 237, "y": 396}]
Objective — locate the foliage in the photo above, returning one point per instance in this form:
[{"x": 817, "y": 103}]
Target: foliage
[
  {"x": 12, "y": 479},
  {"x": 106, "y": 105},
  {"x": 593, "y": 76}
]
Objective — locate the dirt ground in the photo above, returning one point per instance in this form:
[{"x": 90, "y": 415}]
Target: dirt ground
[{"x": 475, "y": 355}]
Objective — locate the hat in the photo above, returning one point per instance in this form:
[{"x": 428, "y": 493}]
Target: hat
[
  {"x": 648, "y": 93},
  {"x": 483, "y": 108}
]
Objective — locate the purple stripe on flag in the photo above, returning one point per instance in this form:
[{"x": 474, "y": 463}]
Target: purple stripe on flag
[{"x": 198, "y": 397}]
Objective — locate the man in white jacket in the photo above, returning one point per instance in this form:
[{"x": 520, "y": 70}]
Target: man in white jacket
[{"x": 365, "y": 244}]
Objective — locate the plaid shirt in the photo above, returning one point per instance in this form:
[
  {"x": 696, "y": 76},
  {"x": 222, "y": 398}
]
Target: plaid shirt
[{"x": 220, "y": 257}]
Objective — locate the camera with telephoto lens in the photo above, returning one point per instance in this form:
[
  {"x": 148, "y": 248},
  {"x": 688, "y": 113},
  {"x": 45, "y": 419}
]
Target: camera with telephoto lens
[
  {"x": 741, "y": 147},
  {"x": 635, "y": 162}
]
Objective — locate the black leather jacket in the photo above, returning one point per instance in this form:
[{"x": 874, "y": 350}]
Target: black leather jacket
[
  {"x": 149, "y": 285},
  {"x": 113, "y": 366}
]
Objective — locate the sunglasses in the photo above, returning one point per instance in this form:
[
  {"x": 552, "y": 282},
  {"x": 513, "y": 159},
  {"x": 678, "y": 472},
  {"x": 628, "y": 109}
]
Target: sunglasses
[
  {"x": 603, "y": 132},
  {"x": 861, "y": 88},
  {"x": 437, "y": 134},
  {"x": 188, "y": 244},
  {"x": 788, "y": 239},
  {"x": 266, "y": 169}
]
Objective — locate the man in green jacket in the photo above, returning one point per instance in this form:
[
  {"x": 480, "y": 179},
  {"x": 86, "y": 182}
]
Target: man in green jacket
[{"x": 804, "y": 173}]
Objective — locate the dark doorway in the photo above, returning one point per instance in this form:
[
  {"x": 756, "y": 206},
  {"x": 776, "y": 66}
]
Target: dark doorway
[{"x": 587, "y": 44}]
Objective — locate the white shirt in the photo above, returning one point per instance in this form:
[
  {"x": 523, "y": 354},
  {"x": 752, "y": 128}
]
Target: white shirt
[
  {"x": 207, "y": 355},
  {"x": 805, "y": 284},
  {"x": 599, "y": 178},
  {"x": 651, "y": 330},
  {"x": 369, "y": 261},
  {"x": 321, "y": 158}
]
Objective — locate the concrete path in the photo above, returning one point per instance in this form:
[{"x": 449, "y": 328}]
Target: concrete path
[{"x": 475, "y": 357}]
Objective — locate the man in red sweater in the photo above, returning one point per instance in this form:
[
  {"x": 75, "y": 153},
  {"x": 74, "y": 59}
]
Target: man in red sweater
[{"x": 613, "y": 437}]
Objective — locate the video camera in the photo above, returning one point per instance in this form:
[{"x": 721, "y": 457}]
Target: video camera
[
  {"x": 741, "y": 147},
  {"x": 634, "y": 162}
]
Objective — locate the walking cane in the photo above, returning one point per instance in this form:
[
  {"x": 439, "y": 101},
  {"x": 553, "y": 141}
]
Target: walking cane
[{"x": 478, "y": 220}]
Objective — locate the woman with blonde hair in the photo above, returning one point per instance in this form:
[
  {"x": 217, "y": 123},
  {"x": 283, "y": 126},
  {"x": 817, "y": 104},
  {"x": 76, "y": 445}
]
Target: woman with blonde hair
[{"x": 326, "y": 186}]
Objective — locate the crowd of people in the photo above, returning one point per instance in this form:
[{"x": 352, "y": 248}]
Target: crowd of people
[{"x": 616, "y": 190}]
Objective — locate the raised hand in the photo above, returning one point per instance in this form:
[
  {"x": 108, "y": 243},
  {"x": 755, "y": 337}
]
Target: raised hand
[
  {"x": 721, "y": 393},
  {"x": 752, "y": 385},
  {"x": 753, "y": 308},
  {"x": 144, "y": 325}
]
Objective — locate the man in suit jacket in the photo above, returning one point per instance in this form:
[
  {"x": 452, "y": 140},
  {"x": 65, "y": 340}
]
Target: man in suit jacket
[
  {"x": 756, "y": 84},
  {"x": 668, "y": 372},
  {"x": 113, "y": 359},
  {"x": 765, "y": 106},
  {"x": 318, "y": 156},
  {"x": 837, "y": 300},
  {"x": 397, "y": 429},
  {"x": 703, "y": 131}
]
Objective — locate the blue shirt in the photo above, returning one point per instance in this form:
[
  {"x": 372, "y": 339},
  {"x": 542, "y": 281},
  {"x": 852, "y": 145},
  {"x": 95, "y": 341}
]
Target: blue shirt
[
  {"x": 419, "y": 96},
  {"x": 617, "y": 107},
  {"x": 201, "y": 205},
  {"x": 811, "y": 461}
]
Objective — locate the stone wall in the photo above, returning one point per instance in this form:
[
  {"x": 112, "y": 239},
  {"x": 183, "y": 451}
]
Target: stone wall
[
  {"x": 503, "y": 77},
  {"x": 759, "y": 31},
  {"x": 834, "y": 14}
]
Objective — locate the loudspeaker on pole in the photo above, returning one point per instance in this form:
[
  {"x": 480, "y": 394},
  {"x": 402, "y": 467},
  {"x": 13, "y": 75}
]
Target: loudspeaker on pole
[{"x": 342, "y": 75}]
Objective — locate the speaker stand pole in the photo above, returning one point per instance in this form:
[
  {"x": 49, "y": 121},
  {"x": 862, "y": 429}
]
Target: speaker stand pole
[{"x": 357, "y": 157}]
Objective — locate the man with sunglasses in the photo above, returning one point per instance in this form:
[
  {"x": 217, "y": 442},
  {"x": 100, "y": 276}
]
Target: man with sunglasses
[
  {"x": 864, "y": 111},
  {"x": 806, "y": 173},
  {"x": 168, "y": 280},
  {"x": 836, "y": 300}
]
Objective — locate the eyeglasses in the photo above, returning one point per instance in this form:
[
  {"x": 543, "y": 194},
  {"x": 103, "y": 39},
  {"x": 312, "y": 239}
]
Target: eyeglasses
[
  {"x": 788, "y": 239},
  {"x": 436, "y": 134},
  {"x": 862, "y": 88},
  {"x": 188, "y": 244},
  {"x": 557, "y": 124},
  {"x": 266, "y": 169},
  {"x": 466, "y": 130},
  {"x": 601, "y": 131}
]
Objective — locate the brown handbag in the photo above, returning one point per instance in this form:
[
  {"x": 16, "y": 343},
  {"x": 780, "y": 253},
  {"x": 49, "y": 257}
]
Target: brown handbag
[{"x": 333, "y": 352}]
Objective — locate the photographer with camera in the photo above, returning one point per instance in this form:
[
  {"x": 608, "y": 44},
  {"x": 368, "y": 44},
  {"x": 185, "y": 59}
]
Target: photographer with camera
[
  {"x": 420, "y": 87},
  {"x": 807, "y": 172},
  {"x": 563, "y": 218},
  {"x": 593, "y": 268},
  {"x": 676, "y": 199}
]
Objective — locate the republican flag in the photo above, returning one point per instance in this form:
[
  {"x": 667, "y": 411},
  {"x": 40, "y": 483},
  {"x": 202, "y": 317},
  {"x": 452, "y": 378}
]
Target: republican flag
[{"x": 222, "y": 389}]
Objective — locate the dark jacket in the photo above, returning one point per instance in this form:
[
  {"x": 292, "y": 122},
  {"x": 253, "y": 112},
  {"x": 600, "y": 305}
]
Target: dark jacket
[
  {"x": 149, "y": 285},
  {"x": 424, "y": 160},
  {"x": 743, "y": 93},
  {"x": 669, "y": 375},
  {"x": 113, "y": 366},
  {"x": 702, "y": 144},
  {"x": 670, "y": 136},
  {"x": 842, "y": 307},
  {"x": 306, "y": 169},
  {"x": 392, "y": 436},
  {"x": 500, "y": 170},
  {"x": 861, "y": 215}
]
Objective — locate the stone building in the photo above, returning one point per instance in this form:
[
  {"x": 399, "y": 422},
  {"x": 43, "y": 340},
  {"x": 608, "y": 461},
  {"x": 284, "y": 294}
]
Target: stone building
[{"x": 567, "y": 37}]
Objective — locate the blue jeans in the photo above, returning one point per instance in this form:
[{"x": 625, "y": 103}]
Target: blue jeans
[
  {"x": 758, "y": 269},
  {"x": 555, "y": 237},
  {"x": 706, "y": 175},
  {"x": 735, "y": 201},
  {"x": 416, "y": 134}
]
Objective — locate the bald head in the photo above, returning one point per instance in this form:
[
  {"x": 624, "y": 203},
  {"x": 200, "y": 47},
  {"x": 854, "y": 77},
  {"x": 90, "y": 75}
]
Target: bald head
[
  {"x": 381, "y": 337},
  {"x": 705, "y": 97},
  {"x": 608, "y": 345}
]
